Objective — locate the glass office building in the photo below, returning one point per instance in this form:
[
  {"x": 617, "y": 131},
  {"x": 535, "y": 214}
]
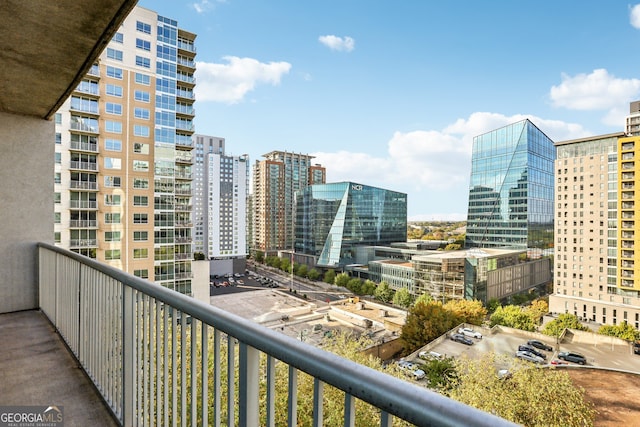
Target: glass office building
[
  {"x": 511, "y": 189},
  {"x": 332, "y": 219}
]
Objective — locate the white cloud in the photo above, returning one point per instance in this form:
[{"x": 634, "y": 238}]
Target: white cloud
[
  {"x": 596, "y": 91},
  {"x": 346, "y": 44},
  {"x": 230, "y": 82},
  {"x": 205, "y": 5},
  {"x": 634, "y": 16},
  {"x": 431, "y": 165}
]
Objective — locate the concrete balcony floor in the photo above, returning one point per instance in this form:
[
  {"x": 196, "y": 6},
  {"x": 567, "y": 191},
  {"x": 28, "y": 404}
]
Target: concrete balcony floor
[{"x": 37, "y": 369}]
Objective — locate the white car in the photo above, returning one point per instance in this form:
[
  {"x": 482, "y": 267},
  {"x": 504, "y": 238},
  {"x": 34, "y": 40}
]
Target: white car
[
  {"x": 525, "y": 355},
  {"x": 468, "y": 332}
]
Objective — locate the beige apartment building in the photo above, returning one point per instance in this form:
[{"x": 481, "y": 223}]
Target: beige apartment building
[
  {"x": 276, "y": 179},
  {"x": 123, "y": 154},
  {"x": 595, "y": 226}
]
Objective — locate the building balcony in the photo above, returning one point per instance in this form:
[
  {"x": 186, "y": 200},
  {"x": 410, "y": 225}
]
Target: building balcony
[
  {"x": 182, "y": 239},
  {"x": 186, "y": 62},
  {"x": 183, "y": 223},
  {"x": 184, "y": 142},
  {"x": 627, "y": 166},
  {"x": 185, "y": 110},
  {"x": 182, "y": 256},
  {"x": 83, "y": 223},
  {"x": 186, "y": 45},
  {"x": 186, "y": 94},
  {"x": 135, "y": 341},
  {"x": 83, "y": 185},
  {"x": 627, "y": 264},
  {"x": 628, "y": 234},
  {"x": 628, "y": 146},
  {"x": 94, "y": 70},
  {"x": 628, "y": 205},
  {"x": 628, "y": 156},
  {"x": 627, "y": 254},
  {"x": 83, "y": 204},
  {"x": 184, "y": 175},
  {"x": 187, "y": 79},
  {"x": 83, "y": 243},
  {"x": 183, "y": 208},
  {"x": 83, "y": 146},
  {"x": 83, "y": 166},
  {"x": 628, "y": 186},
  {"x": 628, "y": 224},
  {"x": 628, "y": 176},
  {"x": 627, "y": 215}
]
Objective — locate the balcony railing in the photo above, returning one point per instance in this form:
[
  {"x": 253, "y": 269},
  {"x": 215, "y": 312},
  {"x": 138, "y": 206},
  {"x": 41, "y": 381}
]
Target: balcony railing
[
  {"x": 83, "y": 185},
  {"x": 84, "y": 146},
  {"x": 158, "y": 357},
  {"x": 83, "y": 223}
]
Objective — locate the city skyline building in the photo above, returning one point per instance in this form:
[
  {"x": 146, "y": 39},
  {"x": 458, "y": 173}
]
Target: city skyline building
[
  {"x": 123, "y": 154},
  {"x": 595, "y": 229},
  {"x": 334, "y": 219},
  {"x": 511, "y": 190},
  {"x": 220, "y": 204},
  {"x": 276, "y": 179}
]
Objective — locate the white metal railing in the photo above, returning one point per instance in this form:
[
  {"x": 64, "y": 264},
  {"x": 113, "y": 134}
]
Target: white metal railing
[{"x": 159, "y": 357}]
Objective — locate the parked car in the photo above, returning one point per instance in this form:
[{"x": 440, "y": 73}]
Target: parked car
[
  {"x": 539, "y": 345},
  {"x": 532, "y": 350},
  {"x": 427, "y": 355},
  {"x": 636, "y": 348},
  {"x": 572, "y": 357},
  {"x": 468, "y": 332},
  {"x": 528, "y": 356},
  {"x": 461, "y": 339},
  {"x": 557, "y": 362},
  {"x": 411, "y": 369}
]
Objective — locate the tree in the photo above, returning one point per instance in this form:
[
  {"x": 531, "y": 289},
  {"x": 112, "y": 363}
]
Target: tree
[
  {"x": 622, "y": 330},
  {"x": 453, "y": 247},
  {"x": 564, "y": 321},
  {"x": 423, "y": 298},
  {"x": 492, "y": 305},
  {"x": 529, "y": 396},
  {"x": 313, "y": 274},
  {"x": 368, "y": 287},
  {"x": 402, "y": 298},
  {"x": 330, "y": 277},
  {"x": 383, "y": 292},
  {"x": 302, "y": 270},
  {"x": 440, "y": 373},
  {"x": 342, "y": 280},
  {"x": 284, "y": 264},
  {"x": 512, "y": 316},
  {"x": 354, "y": 285},
  {"x": 198, "y": 256},
  {"x": 537, "y": 310},
  {"x": 467, "y": 311},
  {"x": 425, "y": 322}
]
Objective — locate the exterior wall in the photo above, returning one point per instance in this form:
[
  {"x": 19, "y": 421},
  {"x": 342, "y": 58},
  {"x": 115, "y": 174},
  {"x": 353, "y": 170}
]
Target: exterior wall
[
  {"x": 611, "y": 311},
  {"x": 517, "y": 278},
  {"x": 27, "y": 206}
]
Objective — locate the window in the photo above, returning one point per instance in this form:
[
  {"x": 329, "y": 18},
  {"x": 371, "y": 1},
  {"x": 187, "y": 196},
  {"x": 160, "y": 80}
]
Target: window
[
  {"x": 58, "y": 158},
  {"x": 57, "y": 197},
  {"x": 143, "y": 44},
  {"x": 141, "y": 95},
  {"x": 113, "y": 145},
  {"x": 112, "y": 218},
  {"x": 140, "y": 148},
  {"x": 140, "y": 183},
  {"x": 58, "y": 118},
  {"x": 140, "y": 165},
  {"x": 112, "y": 199},
  {"x": 113, "y": 127},
  {"x": 140, "y": 253},
  {"x": 143, "y": 79},
  {"x": 112, "y": 254},
  {"x": 114, "y": 54},
  {"x": 114, "y": 72},
  {"x": 57, "y": 217},
  {"x": 141, "y": 113},
  {"x": 143, "y": 274},
  {"x": 140, "y": 236},
  {"x": 56, "y": 237},
  {"x": 57, "y": 178},
  {"x": 111, "y": 236},
  {"x": 140, "y": 218},
  {"x": 143, "y": 27},
  {"x": 114, "y": 90},
  {"x": 118, "y": 38},
  {"x": 113, "y": 108},
  {"x": 141, "y": 61},
  {"x": 140, "y": 201},
  {"x": 112, "y": 181},
  {"x": 140, "y": 130},
  {"x": 112, "y": 163},
  {"x": 58, "y": 138}
]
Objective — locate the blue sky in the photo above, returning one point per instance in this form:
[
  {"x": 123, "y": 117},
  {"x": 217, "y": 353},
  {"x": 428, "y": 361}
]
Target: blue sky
[{"x": 391, "y": 93}]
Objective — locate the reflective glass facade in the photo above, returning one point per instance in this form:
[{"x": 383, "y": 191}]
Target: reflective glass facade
[
  {"x": 332, "y": 219},
  {"x": 511, "y": 189}
]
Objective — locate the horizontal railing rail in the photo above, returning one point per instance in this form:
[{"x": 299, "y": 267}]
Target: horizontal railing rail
[{"x": 159, "y": 357}]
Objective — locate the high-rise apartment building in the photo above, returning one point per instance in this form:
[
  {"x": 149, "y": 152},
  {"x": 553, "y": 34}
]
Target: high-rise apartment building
[
  {"x": 123, "y": 154},
  {"x": 220, "y": 203},
  {"x": 595, "y": 228},
  {"x": 632, "y": 126},
  {"x": 275, "y": 182},
  {"x": 511, "y": 190}
]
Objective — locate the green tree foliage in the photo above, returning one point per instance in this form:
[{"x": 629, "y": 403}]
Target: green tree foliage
[
  {"x": 492, "y": 305},
  {"x": 198, "y": 256},
  {"x": 260, "y": 256},
  {"x": 537, "y": 310},
  {"x": 453, "y": 247},
  {"x": 440, "y": 373},
  {"x": 284, "y": 264},
  {"x": 423, "y": 298},
  {"x": 330, "y": 277},
  {"x": 565, "y": 320},
  {"x": 342, "y": 280},
  {"x": 368, "y": 287},
  {"x": 354, "y": 285},
  {"x": 512, "y": 316},
  {"x": 529, "y": 396},
  {"x": 467, "y": 311},
  {"x": 383, "y": 292},
  {"x": 425, "y": 322},
  {"x": 313, "y": 274},
  {"x": 622, "y": 330},
  {"x": 402, "y": 298},
  {"x": 302, "y": 270},
  {"x": 273, "y": 261}
]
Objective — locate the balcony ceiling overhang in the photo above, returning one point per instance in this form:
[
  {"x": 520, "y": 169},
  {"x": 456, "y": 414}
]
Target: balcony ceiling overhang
[{"x": 47, "y": 46}]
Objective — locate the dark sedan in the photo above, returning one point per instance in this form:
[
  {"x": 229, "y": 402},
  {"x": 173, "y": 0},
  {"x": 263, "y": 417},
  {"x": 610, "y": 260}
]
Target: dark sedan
[
  {"x": 461, "y": 339},
  {"x": 540, "y": 345}
]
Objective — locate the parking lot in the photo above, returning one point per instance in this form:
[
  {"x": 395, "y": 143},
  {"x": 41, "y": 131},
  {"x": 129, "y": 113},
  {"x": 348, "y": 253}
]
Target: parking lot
[{"x": 506, "y": 343}]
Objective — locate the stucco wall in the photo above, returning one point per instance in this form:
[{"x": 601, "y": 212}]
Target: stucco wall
[{"x": 26, "y": 209}]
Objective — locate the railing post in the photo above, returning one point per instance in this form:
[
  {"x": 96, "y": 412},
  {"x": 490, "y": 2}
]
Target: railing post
[
  {"x": 249, "y": 386},
  {"x": 128, "y": 343}
]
